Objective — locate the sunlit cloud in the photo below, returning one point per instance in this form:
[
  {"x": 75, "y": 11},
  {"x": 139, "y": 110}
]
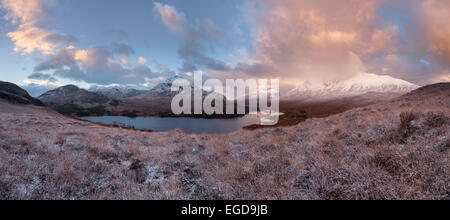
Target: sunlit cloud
[
  {"x": 293, "y": 40},
  {"x": 142, "y": 61},
  {"x": 314, "y": 40},
  {"x": 173, "y": 19},
  {"x": 97, "y": 65},
  {"x": 318, "y": 41},
  {"x": 445, "y": 78},
  {"x": 24, "y": 11},
  {"x": 435, "y": 18},
  {"x": 28, "y": 37},
  {"x": 41, "y": 82}
]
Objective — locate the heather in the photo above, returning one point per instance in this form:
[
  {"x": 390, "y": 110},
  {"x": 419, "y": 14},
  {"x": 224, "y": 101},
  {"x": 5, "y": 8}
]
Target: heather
[{"x": 393, "y": 150}]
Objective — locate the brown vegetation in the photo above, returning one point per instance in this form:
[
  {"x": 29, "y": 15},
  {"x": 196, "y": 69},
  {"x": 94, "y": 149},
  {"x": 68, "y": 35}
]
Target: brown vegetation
[{"x": 394, "y": 150}]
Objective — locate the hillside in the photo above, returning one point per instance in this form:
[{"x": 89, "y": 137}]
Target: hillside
[
  {"x": 397, "y": 149},
  {"x": 358, "y": 85},
  {"x": 14, "y": 94},
  {"x": 303, "y": 102},
  {"x": 71, "y": 100},
  {"x": 157, "y": 101},
  {"x": 116, "y": 92}
]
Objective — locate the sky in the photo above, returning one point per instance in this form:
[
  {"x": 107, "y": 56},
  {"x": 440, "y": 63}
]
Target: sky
[{"x": 49, "y": 43}]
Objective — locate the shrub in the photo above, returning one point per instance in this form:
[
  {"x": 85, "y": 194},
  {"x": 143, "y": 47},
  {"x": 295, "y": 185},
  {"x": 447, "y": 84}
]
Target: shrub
[
  {"x": 406, "y": 128},
  {"x": 442, "y": 146},
  {"x": 405, "y": 120},
  {"x": 389, "y": 161},
  {"x": 435, "y": 120}
]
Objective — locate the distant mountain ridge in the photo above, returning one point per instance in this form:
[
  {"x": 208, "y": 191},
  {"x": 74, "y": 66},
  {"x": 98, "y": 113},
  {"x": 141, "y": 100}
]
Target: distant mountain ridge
[
  {"x": 358, "y": 85},
  {"x": 164, "y": 89},
  {"x": 117, "y": 92},
  {"x": 70, "y": 94},
  {"x": 74, "y": 101},
  {"x": 158, "y": 100},
  {"x": 71, "y": 100}
]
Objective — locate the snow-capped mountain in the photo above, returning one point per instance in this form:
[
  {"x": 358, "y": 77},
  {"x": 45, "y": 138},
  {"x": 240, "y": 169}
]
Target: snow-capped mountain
[
  {"x": 358, "y": 85},
  {"x": 158, "y": 100},
  {"x": 165, "y": 87},
  {"x": 117, "y": 92},
  {"x": 256, "y": 94},
  {"x": 72, "y": 94},
  {"x": 71, "y": 100}
]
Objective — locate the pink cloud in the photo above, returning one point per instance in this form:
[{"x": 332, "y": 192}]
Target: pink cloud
[
  {"x": 173, "y": 19},
  {"x": 29, "y": 37},
  {"x": 26, "y": 12},
  {"x": 445, "y": 78},
  {"x": 142, "y": 60},
  {"x": 322, "y": 40},
  {"x": 316, "y": 40},
  {"x": 435, "y": 18}
]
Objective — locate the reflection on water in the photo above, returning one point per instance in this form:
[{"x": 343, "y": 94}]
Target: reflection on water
[{"x": 189, "y": 125}]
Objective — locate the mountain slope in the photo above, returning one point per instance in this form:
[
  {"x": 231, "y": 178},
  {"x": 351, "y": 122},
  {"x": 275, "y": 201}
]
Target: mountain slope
[
  {"x": 14, "y": 94},
  {"x": 71, "y": 100},
  {"x": 395, "y": 150},
  {"x": 117, "y": 92},
  {"x": 158, "y": 100},
  {"x": 163, "y": 90},
  {"x": 154, "y": 102},
  {"x": 358, "y": 85}
]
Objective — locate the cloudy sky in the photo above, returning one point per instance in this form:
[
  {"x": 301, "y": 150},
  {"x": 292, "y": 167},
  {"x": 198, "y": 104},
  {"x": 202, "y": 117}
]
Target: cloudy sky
[{"x": 49, "y": 43}]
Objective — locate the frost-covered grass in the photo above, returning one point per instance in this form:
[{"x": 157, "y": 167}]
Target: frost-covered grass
[{"x": 394, "y": 150}]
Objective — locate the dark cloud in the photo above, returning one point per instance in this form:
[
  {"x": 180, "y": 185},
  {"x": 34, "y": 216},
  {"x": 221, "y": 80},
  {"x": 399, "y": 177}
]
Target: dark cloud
[
  {"x": 98, "y": 65},
  {"x": 317, "y": 41},
  {"x": 116, "y": 33},
  {"x": 188, "y": 66},
  {"x": 38, "y": 83},
  {"x": 42, "y": 76},
  {"x": 60, "y": 39},
  {"x": 35, "y": 90},
  {"x": 122, "y": 49},
  {"x": 196, "y": 41},
  {"x": 62, "y": 58}
]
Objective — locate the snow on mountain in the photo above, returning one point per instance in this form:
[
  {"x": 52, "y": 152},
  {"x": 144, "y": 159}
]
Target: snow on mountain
[
  {"x": 358, "y": 85},
  {"x": 117, "y": 92},
  {"x": 158, "y": 100},
  {"x": 165, "y": 87},
  {"x": 71, "y": 100},
  {"x": 72, "y": 94},
  {"x": 256, "y": 94}
]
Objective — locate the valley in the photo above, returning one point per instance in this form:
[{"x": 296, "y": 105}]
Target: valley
[
  {"x": 396, "y": 149},
  {"x": 299, "y": 104}
]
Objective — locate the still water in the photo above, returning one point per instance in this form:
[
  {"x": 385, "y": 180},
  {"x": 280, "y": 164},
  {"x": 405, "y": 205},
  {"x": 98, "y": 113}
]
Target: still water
[{"x": 188, "y": 125}]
